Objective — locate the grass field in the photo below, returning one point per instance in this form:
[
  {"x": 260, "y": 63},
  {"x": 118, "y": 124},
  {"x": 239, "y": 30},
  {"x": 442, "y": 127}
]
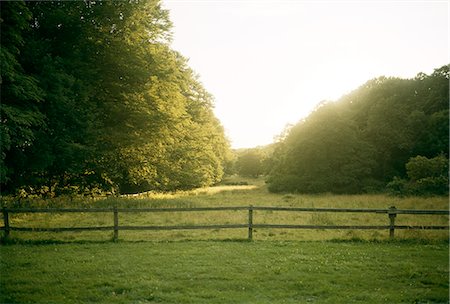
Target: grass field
[
  {"x": 227, "y": 195},
  {"x": 220, "y": 266},
  {"x": 225, "y": 272}
]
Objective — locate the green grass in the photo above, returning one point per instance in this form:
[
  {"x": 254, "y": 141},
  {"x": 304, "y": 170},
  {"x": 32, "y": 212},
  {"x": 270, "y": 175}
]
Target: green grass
[
  {"x": 225, "y": 272},
  {"x": 220, "y": 266}
]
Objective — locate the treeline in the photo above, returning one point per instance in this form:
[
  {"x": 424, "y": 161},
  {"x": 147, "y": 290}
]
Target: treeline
[
  {"x": 389, "y": 131},
  {"x": 93, "y": 98}
]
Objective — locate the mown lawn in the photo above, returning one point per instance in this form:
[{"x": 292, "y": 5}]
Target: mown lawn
[{"x": 225, "y": 272}]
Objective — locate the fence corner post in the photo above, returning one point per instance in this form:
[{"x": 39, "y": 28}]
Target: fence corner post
[
  {"x": 116, "y": 224},
  {"x": 250, "y": 223},
  {"x": 392, "y": 215},
  {"x": 6, "y": 221}
]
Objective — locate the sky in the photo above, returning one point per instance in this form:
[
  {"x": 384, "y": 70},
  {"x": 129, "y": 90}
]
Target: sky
[{"x": 269, "y": 63}]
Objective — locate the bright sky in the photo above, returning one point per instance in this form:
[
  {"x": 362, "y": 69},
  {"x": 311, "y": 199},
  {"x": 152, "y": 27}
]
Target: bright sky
[{"x": 268, "y": 63}]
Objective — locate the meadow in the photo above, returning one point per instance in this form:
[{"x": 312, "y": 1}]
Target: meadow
[
  {"x": 221, "y": 266},
  {"x": 246, "y": 192}
]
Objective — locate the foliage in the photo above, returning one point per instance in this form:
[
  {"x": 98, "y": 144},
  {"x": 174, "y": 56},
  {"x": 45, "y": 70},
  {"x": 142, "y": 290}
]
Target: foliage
[
  {"x": 250, "y": 163},
  {"x": 94, "y": 98},
  {"x": 20, "y": 94},
  {"x": 425, "y": 176},
  {"x": 360, "y": 142}
]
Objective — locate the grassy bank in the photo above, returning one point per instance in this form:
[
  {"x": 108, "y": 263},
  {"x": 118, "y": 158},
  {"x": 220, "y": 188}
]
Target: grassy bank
[{"x": 225, "y": 272}]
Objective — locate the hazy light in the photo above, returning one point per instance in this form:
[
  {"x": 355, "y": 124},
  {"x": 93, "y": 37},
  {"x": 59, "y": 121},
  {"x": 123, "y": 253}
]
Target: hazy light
[{"x": 269, "y": 63}]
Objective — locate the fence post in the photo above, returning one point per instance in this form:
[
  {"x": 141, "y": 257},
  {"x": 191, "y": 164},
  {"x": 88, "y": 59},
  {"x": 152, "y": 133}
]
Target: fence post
[
  {"x": 116, "y": 225},
  {"x": 250, "y": 223},
  {"x": 392, "y": 216},
  {"x": 6, "y": 221}
]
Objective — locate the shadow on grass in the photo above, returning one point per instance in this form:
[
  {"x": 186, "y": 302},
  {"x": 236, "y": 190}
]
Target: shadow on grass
[
  {"x": 417, "y": 241},
  {"x": 410, "y": 241}
]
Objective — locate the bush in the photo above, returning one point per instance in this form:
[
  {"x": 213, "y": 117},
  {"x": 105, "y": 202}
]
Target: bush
[
  {"x": 398, "y": 186},
  {"x": 421, "y": 167},
  {"x": 283, "y": 183},
  {"x": 426, "y": 176}
]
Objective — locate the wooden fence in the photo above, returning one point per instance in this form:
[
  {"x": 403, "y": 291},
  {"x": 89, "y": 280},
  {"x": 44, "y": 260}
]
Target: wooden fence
[{"x": 392, "y": 213}]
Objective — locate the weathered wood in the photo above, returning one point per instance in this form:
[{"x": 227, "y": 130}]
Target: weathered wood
[
  {"x": 225, "y": 226},
  {"x": 354, "y": 210},
  {"x": 184, "y": 227},
  {"x": 236, "y": 208},
  {"x": 80, "y": 210},
  {"x": 421, "y": 227},
  {"x": 338, "y": 227},
  {"x": 187, "y": 209},
  {"x": 6, "y": 222},
  {"x": 418, "y": 212},
  {"x": 250, "y": 223},
  {"x": 392, "y": 215},
  {"x": 58, "y": 210},
  {"x": 116, "y": 225},
  {"x": 346, "y": 210},
  {"x": 61, "y": 229}
]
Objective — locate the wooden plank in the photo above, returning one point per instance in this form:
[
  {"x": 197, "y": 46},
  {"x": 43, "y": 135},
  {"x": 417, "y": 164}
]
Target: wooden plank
[
  {"x": 392, "y": 215},
  {"x": 343, "y": 227},
  {"x": 417, "y": 212},
  {"x": 184, "y": 227},
  {"x": 320, "y": 209},
  {"x": 356, "y": 210},
  {"x": 7, "y": 228},
  {"x": 422, "y": 227},
  {"x": 87, "y": 210},
  {"x": 61, "y": 229},
  {"x": 236, "y": 208},
  {"x": 250, "y": 223},
  {"x": 194, "y": 209},
  {"x": 58, "y": 210},
  {"x": 225, "y": 226},
  {"x": 116, "y": 225}
]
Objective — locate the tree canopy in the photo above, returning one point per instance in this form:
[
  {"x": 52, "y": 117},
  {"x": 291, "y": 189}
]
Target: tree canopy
[
  {"x": 362, "y": 141},
  {"x": 93, "y": 97}
]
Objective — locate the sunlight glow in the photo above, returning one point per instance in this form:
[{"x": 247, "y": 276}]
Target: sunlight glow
[{"x": 268, "y": 63}]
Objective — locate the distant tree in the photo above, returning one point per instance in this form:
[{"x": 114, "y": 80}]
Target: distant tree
[
  {"x": 362, "y": 141},
  {"x": 322, "y": 153},
  {"x": 249, "y": 163}
]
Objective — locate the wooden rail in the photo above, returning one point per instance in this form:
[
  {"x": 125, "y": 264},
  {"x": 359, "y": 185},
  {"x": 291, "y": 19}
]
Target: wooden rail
[{"x": 392, "y": 213}]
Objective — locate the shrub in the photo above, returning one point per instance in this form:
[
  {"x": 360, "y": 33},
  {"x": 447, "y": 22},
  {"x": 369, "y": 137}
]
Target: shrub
[
  {"x": 426, "y": 176},
  {"x": 421, "y": 167},
  {"x": 398, "y": 186}
]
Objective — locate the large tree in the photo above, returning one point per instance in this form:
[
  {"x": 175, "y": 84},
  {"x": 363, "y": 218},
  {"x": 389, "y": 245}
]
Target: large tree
[
  {"x": 21, "y": 96},
  {"x": 116, "y": 108}
]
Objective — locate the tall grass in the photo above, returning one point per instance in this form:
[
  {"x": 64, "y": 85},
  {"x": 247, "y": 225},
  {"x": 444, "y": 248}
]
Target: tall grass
[{"x": 253, "y": 193}]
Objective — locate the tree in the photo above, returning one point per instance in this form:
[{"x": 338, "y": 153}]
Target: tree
[
  {"x": 109, "y": 104},
  {"x": 249, "y": 163},
  {"x": 21, "y": 117},
  {"x": 362, "y": 141},
  {"x": 322, "y": 153}
]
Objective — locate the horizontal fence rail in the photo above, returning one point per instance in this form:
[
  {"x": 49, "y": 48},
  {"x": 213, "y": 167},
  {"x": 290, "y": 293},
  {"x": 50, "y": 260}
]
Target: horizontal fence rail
[{"x": 392, "y": 213}]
